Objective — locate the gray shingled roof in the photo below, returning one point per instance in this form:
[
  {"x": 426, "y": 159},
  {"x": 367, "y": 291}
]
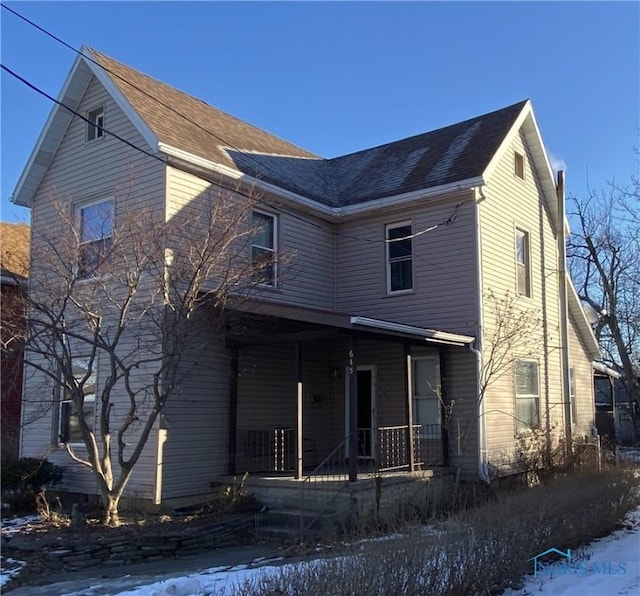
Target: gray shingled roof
[{"x": 436, "y": 158}]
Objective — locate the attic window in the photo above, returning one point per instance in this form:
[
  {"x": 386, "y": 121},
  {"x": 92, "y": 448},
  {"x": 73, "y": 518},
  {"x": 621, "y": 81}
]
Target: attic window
[
  {"x": 95, "y": 126},
  {"x": 519, "y": 165}
]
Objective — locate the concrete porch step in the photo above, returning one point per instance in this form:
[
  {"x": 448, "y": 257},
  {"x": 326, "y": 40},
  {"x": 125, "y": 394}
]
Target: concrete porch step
[{"x": 286, "y": 524}]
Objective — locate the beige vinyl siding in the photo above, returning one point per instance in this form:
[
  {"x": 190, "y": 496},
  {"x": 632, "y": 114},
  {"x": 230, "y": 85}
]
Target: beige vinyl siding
[
  {"x": 585, "y": 401},
  {"x": 305, "y": 266},
  {"x": 84, "y": 171},
  {"x": 513, "y": 203},
  {"x": 443, "y": 295},
  {"x": 196, "y": 418},
  {"x": 459, "y": 382}
]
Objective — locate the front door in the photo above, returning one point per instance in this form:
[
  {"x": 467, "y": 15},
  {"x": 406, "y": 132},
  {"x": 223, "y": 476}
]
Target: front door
[{"x": 366, "y": 411}]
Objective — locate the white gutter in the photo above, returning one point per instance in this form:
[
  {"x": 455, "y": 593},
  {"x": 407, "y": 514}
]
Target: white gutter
[
  {"x": 409, "y": 197},
  {"x": 212, "y": 166},
  {"x": 477, "y": 349},
  {"x": 330, "y": 212},
  {"x": 428, "y": 334},
  {"x": 605, "y": 370}
]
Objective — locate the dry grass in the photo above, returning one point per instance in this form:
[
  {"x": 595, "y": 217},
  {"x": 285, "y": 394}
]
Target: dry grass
[{"x": 477, "y": 551}]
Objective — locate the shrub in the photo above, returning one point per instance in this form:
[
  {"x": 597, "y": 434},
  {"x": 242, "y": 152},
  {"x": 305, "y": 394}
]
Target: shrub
[
  {"x": 23, "y": 479},
  {"x": 477, "y": 551}
]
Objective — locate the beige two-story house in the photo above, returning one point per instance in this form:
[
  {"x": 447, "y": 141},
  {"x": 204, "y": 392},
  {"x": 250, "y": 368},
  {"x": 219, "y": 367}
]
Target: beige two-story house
[{"x": 416, "y": 319}]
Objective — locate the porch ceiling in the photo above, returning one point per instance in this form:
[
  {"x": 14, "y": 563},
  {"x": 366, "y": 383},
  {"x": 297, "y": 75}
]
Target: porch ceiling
[{"x": 305, "y": 324}]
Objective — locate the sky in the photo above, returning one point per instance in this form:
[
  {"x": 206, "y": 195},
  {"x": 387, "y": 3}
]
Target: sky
[{"x": 337, "y": 77}]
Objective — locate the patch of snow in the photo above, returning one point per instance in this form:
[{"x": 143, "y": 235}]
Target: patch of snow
[
  {"x": 611, "y": 567},
  {"x": 16, "y": 524},
  {"x": 9, "y": 569}
]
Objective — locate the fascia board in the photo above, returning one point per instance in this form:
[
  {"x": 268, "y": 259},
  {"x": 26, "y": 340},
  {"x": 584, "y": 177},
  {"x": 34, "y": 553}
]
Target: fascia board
[
  {"x": 585, "y": 329},
  {"x": 121, "y": 101},
  {"x": 33, "y": 173}
]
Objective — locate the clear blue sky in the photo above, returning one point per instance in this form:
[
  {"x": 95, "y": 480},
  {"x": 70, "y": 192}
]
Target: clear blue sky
[{"x": 338, "y": 77}]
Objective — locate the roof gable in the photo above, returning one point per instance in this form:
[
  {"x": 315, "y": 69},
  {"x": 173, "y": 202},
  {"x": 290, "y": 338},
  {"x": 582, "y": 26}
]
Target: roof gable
[{"x": 169, "y": 119}]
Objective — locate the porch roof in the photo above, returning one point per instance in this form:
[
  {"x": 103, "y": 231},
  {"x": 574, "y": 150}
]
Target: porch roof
[{"x": 346, "y": 322}]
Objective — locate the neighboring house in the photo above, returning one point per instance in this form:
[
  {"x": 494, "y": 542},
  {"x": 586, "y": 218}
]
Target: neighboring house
[
  {"x": 14, "y": 261},
  {"x": 615, "y": 409},
  {"x": 394, "y": 251}
]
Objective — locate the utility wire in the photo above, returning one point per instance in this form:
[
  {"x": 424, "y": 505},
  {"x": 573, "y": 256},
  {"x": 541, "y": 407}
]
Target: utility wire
[
  {"x": 447, "y": 222},
  {"x": 259, "y": 165}
]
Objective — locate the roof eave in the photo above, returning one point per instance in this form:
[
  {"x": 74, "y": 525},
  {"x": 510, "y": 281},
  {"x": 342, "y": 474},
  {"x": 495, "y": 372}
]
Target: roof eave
[{"x": 321, "y": 209}]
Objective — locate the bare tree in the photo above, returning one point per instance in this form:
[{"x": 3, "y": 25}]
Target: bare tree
[
  {"x": 604, "y": 255},
  {"x": 513, "y": 334},
  {"x": 120, "y": 292}
]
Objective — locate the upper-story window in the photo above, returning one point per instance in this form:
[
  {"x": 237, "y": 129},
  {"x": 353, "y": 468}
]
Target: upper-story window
[
  {"x": 264, "y": 247},
  {"x": 523, "y": 263},
  {"x": 399, "y": 257},
  {"x": 527, "y": 395},
  {"x": 96, "y": 237},
  {"x": 95, "y": 126},
  {"x": 519, "y": 165}
]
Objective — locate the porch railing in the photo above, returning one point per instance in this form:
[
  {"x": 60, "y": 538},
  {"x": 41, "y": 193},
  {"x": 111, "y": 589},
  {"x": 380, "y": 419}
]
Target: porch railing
[
  {"x": 393, "y": 447},
  {"x": 384, "y": 449},
  {"x": 270, "y": 450}
]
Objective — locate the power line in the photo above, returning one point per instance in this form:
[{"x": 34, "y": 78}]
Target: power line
[
  {"x": 259, "y": 166},
  {"x": 447, "y": 222}
]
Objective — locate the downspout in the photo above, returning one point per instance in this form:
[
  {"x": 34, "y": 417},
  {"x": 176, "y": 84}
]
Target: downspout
[
  {"x": 477, "y": 348},
  {"x": 564, "y": 320}
]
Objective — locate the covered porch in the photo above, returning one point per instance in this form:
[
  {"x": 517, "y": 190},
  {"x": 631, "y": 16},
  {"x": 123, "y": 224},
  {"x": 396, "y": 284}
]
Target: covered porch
[{"x": 310, "y": 388}]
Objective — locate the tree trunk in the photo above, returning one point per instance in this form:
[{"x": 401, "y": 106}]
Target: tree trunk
[{"x": 111, "y": 515}]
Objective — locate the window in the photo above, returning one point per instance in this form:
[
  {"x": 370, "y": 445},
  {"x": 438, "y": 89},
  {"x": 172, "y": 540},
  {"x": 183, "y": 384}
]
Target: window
[
  {"x": 399, "y": 257},
  {"x": 263, "y": 248},
  {"x": 523, "y": 268},
  {"x": 426, "y": 396},
  {"x": 519, "y": 165},
  {"x": 572, "y": 394},
  {"x": 95, "y": 126},
  {"x": 69, "y": 420},
  {"x": 527, "y": 395},
  {"x": 96, "y": 231}
]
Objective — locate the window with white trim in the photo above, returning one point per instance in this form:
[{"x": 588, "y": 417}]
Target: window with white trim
[
  {"x": 523, "y": 263},
  {"x": 426, "y": 396},
  {"x": 399, "y": 257},
  {"x": 572, "y": 395},
  {"x": 95, "y": 126},
  {"x": 264, "y": 247},
  {"x": 96, "y": 237},
  {"x": 527, "y": 395},
  {"x": 69, "y": 423},
  {"x": 519, "y": 165}
]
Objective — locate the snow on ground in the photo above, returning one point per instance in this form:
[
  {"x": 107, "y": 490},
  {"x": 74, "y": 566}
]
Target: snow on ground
[
  {"x": 9, "y": 568},
  {"x": 590, "y": 577},
  {"x": 612, "y": 568}
]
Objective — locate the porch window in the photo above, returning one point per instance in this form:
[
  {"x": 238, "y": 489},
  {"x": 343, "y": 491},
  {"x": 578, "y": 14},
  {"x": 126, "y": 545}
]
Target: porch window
[
  {"x": 95, "y": 126},
  {"x": 263, "y": 248},
  {"x": 523, "y": 263},
  {"x": 96, "y": 237},
  {"x": 426, "y": 396},
  {"x": 399, "y": 257},
  {"x": 527, "y": 395},
  {"x": 69, "y": 424}
]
